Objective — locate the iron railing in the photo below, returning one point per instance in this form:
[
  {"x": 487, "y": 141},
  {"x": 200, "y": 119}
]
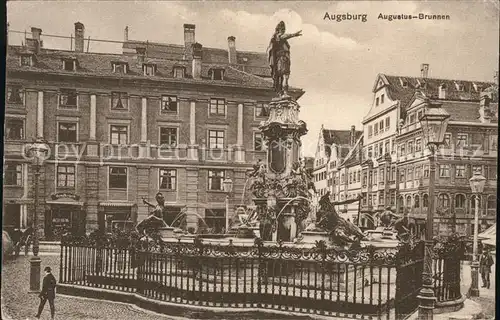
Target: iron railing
[{"x": 318, "y": 281}]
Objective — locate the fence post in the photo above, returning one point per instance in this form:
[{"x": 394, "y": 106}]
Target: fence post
[
  {"x": 259, "y": 243},
  {"x": 61, "y": 257}
]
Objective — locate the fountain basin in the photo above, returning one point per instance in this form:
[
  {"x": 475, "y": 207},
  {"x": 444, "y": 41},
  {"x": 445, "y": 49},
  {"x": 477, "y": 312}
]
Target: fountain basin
[
  {"x": 166, "y": 232},
  {"x": 313, "y": 236}
]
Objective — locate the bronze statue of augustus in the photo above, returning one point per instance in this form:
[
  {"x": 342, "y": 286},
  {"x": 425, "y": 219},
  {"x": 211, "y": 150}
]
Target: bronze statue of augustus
[{"x": 279, "y": 58}]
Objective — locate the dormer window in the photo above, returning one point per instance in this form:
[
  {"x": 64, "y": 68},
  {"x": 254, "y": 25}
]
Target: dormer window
[
  {"x": 27, "y": 60},
  {"x": 69, "y": 64},
  {"x": 120, "y": 67},
  {"x": 404, "y": 82},
  {"x": 476, "y": 87},
  {"x": 179, "y": 72},
  {"x": 149, "y": 69},
  {"x": 459, "y": 86},
  {"x": 421, "y": 84},
  {"x": 216, "y": 74}
]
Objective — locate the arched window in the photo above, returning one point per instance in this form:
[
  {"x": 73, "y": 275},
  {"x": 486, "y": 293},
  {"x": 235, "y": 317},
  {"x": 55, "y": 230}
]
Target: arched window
[
  {"x": 408, "y": 201},
  {"x": 417, "y": 201},
  {"x": 459, "y": 201},
  {"x": 425, "y": 201},
  {"x": 400, "y": 203},
  {"x": 444, "y": 200},
  {"x": 473, "y": 202}
]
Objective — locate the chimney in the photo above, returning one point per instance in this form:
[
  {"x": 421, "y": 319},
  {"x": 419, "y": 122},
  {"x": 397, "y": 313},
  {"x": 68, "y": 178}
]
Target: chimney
[
  {"x": 196, "y": 49},
  {"x": 189, "y": 40},
  {"x": 231, "y": 43},
  {"x": 125, "y": 34},
  {"x": 79, "y": 35},
  {"x": 353, "y": 136},
  {"x": 34, "y": 43},
  {"x": 424, "y": 70},
  {"x": 141, "y": 54},
  {"x": 484, "y": 108},
  {"x": 442, "y": 91}
]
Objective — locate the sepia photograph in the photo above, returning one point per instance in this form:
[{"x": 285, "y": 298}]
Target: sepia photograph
[{"x": 242, "y": 160}]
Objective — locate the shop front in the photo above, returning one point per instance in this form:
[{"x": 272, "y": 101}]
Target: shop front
[
  {"x": 116, "y": 215},
  {"x": 64, "y": 213}
]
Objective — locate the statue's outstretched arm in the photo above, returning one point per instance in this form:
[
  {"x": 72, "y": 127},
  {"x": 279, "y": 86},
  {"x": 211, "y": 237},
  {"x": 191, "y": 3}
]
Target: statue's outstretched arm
[
  {"x": 291, "y": 35},
  {"x": 148, "y": 203}
]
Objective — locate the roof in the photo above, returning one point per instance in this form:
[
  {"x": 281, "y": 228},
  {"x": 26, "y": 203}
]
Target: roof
[
  {"x": 468, "y": 111},
  {"x": 252, "y": 62},
  {"x": 352, "y": 158},
  {"x": 430, "y": 86},
  {"x": 100, "y": 64},
  {"x": 339, "y": 137}
]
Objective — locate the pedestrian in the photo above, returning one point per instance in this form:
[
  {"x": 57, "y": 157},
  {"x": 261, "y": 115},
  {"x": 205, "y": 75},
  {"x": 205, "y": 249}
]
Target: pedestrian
[
  {"x": 485, "y": 263},
  {"x": 48, "y": 293}
]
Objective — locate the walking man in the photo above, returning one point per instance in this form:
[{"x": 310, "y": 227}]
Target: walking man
[
  {"x": 485, "y": 264},
  {"x": 48, "y": 293}
]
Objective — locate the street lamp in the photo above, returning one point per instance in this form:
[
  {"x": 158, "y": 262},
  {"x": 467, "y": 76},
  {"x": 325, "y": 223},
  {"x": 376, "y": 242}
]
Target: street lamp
[
  {"x": 38, "y": 152},
  {"x": 227, "y": 185},
  {"x": 477, "y": 183},
  {"x": 434, "y": 122}
]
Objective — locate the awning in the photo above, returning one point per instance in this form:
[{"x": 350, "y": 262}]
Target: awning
[
  {"x": 491, "y": 242},
  {"x": 116, "y": 204},
  {"x": 490, "y": 233},
  {"x": 65, "y": 202}
]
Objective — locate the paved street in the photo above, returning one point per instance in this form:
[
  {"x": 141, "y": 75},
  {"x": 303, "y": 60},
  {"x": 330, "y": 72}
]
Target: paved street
[
  {"x": 18, "y": 304},
  {"x": 487, "y": 296}
]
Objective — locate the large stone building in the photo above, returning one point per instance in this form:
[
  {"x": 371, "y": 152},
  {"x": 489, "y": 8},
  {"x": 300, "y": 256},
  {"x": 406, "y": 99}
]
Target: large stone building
[
  {"x": 393, "y": 158},
  {"x": 178, "y": 119}
]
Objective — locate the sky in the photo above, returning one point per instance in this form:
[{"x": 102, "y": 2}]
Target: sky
[{"x": 335, "y": 63}]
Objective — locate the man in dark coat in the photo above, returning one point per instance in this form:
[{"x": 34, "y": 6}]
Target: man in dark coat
[
  {"x": 485, "y": 263},
  {"x": 48, "y": 293}
]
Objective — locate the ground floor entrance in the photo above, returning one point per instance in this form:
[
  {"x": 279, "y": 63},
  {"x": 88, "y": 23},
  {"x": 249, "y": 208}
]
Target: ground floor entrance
[{"x": 63, "y": 218}]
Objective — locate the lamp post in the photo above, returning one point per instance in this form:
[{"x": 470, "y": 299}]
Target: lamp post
[
  {"x": 434, "y": 123},
  {"x": 38, "y": 152},
  {"x": 477, "y": 183},
  {"x": 227, "y": 185}
]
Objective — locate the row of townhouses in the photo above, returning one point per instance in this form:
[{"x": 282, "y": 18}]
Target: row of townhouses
[
  {"x": 388, "y": 162},
  {"x": 179, "y": 119}
]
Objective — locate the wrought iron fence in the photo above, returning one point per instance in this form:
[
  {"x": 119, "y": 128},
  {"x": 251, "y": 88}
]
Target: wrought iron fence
[{"x": 319, "y": 281}]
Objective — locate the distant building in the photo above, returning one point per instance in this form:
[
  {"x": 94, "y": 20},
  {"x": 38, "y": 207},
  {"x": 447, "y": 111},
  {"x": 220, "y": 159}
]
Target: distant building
[{"x": 178, "y": 119}]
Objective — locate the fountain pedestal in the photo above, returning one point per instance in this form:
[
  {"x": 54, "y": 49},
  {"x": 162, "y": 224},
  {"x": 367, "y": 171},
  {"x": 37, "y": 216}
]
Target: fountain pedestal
[
  {"x": 166, "y": 232},
  {"x": 313, "y": 236}
]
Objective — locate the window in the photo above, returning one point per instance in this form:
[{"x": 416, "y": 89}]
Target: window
[
  {"x": 14, "y": 129},
  {"x": 382, "y": 98},
  {"x": 410, "y": 148},
  {"x": 364, "y": 179},
  {"x": 215, "y": 220},
  {"x": 217, "y": 106},
  {"x": 169, "y": 104},
  {"x": 359, "y": 176},
  {"x": 216, "y": 139},
  {"x": 426, "y": 171},
  {"x": 492, "y": 202},
  {"x": 393, "y": 146},
  {"x": 350, "y": 177},
  {"x": 473, "y": 203},
  {"x": 410, "y": 174},
  {"x": 370, "y": 131},
  {"x": 370, "y": 178},
  {"x": 68, "y": 98},
  {"x": 444, "y": 170},
  {"x": 408, "y": 201},
  {"x": 149, "y": 69},
  {"x": 402, "y": 149},
  {"x": 387, "y": 123},
  {"x": 447, "y": 140},
  {"x": 119, "y": 101},
  {"x": 402, "y": 176},
  {"x": 444, "y": 200},
  {"x": 13, "y": 174},
  {"x": 418, "y": 145},
  {"x": 168, "y": 137},
  {"x": 258, "y": 142},
  {"x": 387, "y": 146},
  {"x": 179, "y": 72},
  {"x": 393, "y": 174},
  {"x": 376, "y": 151},
  {"x": 168, "y": 178},
  {"x": 118, "y": 134},
  {"x": 117, "y": 178},
  {"x": 462, "y": 140},
  {"x": 262, "y": 110},
  {"x": 425, "y": 201},
  {"x": 418, "y": 172},
  {"x": 119, "y": 67},
  {"x": 14, "y": 94},
  {"x": 67, "y": 132},
  {"x": 65, "y": 175},
  {"x": 381, "y": 175},
  {"x": 494, "y": 143},
  {"x": 417, "y": 201},
  {"x": 370, "y": 151},
  {"x": 69, "y": 64},
  {"x": 375, "y": 129},
  {"x": 459, "y": 201},
  {"x": 460, "y": 171},
  {"x": 381, "y": 149},
  {"x": 412, "y": 118},
  {"x": 12, "y": 215},
  {"x": 217, "y": 74},
  {"x": 26, "y": 60},
  {"x": 381, "y": 125},
  {"x": 377, "y": 101},
  {"x": 215, "y": 178}
]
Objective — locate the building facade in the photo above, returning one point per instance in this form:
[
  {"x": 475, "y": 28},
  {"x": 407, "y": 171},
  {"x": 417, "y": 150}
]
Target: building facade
[{"x": 175, "y": 119}]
